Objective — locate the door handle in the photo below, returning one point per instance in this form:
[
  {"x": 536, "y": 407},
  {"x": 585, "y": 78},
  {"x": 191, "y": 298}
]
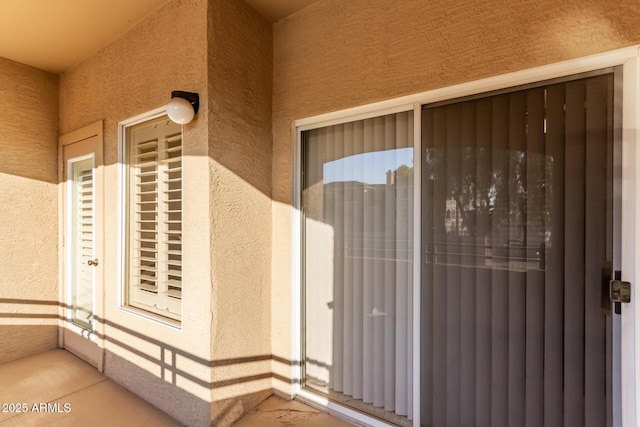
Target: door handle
[
  {"x": 93, "y": 262},
  {"x": 620, "y": 291},
  {"x": 614, "y": 290}
]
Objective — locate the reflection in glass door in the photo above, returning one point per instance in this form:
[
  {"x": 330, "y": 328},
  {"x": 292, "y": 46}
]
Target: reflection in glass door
[
  {"x": 517, "y": 202},
  {"x": 82, "y": 244},
  {"x": 357, "y": 201}
]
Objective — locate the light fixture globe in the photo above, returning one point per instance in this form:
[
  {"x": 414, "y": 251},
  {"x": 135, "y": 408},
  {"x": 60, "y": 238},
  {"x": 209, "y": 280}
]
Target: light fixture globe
[{"x": 180, "y": 111}]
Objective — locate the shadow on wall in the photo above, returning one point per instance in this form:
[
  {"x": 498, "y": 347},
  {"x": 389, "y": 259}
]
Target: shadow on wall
[
  {"x": 18, "y": 341},
  {"x": 166, "y": 388},
  {"x": 27, "y": 327},
  {"x": 167, "y": 395}
]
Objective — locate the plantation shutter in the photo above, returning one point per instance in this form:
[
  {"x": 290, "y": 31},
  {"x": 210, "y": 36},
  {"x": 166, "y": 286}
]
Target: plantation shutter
[
  {"x": 155, "y": 217},
  {"x": 83, "y": 236}
]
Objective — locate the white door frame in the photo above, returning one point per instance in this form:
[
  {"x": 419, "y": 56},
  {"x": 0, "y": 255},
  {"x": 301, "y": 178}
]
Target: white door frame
[
  {"x": 630, "y": 256},
  {"x": 628, "y": 58},
  {"x": 72, "y": 336}
]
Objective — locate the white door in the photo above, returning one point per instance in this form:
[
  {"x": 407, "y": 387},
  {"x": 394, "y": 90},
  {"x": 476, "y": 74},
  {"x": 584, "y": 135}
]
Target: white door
[{"x": 82, "y": 206}]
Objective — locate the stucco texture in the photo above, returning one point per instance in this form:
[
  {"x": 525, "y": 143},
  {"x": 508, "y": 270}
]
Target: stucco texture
[
  {"x": 338, "y": 54},
  {"x": 216, "y": 367},
  {"x": 240, "y": 71},
  {"x": 28, "y": 210},
  {"x": 169, "y": 367}
]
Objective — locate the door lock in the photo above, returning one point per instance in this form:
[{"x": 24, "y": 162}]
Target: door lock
[
  {"x": 93, "y": 262},
  {"x": 619, "y": 291},
  {"x": 614, "y": 290}
]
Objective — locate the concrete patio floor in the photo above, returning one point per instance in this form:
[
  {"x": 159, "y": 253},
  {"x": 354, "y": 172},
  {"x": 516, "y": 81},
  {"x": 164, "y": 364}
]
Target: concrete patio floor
[{"x": 55, "y": 388}]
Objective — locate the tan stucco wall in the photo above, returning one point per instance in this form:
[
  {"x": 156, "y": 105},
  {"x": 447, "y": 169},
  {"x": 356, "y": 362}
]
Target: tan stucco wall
[
  {"x": 218, "y": 366},
  {"x": 240, "y": 75},
  {"x": 338, "y": 54},
  {"x": 28, "y": 210},
  {"x": 170, "y": 368}
]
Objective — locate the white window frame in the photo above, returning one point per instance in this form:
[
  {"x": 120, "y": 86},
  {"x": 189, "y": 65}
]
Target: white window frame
[
  {"x": 123, "y": 206},
  {"x": 626, "y": 394}
]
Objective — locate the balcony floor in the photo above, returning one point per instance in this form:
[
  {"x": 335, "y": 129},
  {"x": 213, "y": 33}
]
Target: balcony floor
[{"x": 55, "y": 388}]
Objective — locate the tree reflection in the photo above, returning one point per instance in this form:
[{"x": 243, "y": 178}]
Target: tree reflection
[{"x": 487, "y": 201}]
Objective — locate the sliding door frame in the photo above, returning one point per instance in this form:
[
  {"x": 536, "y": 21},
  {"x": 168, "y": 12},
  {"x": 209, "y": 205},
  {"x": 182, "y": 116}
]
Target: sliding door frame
[
  {"x": 626, "y": 393},
  {"x": 298, "y": 273}
]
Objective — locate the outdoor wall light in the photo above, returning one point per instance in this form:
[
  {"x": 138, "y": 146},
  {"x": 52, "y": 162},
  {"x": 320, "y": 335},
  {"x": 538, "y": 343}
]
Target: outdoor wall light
[{"x": 183, "y": 106}]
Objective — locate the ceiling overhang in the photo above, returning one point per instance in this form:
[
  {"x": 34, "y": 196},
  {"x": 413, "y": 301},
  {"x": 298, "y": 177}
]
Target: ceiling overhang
[{"x": 57, "y": 35}]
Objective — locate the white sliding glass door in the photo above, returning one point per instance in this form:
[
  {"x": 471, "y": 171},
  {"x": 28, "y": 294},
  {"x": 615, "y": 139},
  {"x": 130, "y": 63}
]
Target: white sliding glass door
[{"x": 484, "y": 301}]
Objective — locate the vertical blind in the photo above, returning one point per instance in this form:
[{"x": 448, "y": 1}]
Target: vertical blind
[
  {"x": 155, "y": 217},
  {"x": 358, "y": 270},
  {"x": 517, "y": 227}
]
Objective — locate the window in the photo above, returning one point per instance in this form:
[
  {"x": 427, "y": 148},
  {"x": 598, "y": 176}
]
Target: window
[{"x": 153, "y": 207}]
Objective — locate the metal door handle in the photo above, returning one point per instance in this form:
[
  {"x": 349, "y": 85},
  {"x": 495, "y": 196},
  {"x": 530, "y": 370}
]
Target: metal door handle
[
  {"x": 620, "y": 291},
  {"x": 614, "y": 291},
  {"x": 93, "y": 262}
]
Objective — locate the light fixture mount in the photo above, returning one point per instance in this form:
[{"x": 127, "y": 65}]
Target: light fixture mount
[
  {"x": 192, "y": 97},
  {"x": 183, "y": 106}
]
